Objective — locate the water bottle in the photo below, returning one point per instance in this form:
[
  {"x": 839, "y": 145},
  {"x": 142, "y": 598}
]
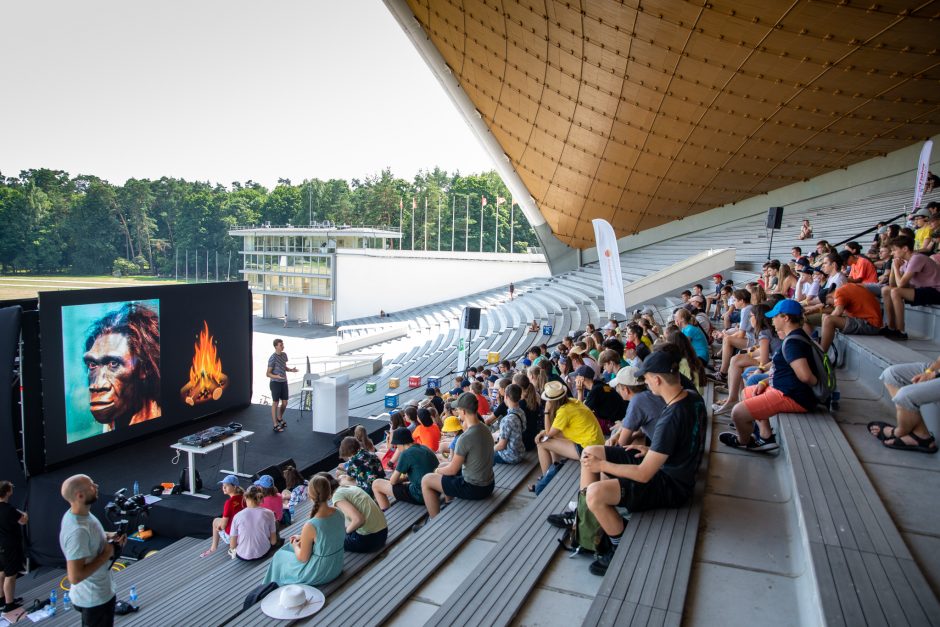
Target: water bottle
[
  {"x": 136, "y": 488},
  {"x": 52, "y": 601},
  {"x": 834, "y": 400},
  {"x": 133, "y": 594},
  {"x": 66, "y": 602}
]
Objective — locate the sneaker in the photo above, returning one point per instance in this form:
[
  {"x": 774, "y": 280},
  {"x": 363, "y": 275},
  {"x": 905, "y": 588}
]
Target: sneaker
[
  {"x": 415, "y": 528},
  {"x": 601, "y": 563},
  {"x": 756, "y": 443},
  {"x": 563, "y": 520}
]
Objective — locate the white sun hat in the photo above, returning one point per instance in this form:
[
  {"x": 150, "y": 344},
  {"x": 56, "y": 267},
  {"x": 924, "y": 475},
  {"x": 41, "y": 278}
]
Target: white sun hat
[{"x": 293, "y": 601}]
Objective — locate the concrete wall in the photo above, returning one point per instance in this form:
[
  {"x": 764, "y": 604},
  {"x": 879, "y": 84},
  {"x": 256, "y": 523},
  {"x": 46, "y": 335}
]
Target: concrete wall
[
  {"x": 876, "y": 176},
  {"x": 371, "y": 280}
]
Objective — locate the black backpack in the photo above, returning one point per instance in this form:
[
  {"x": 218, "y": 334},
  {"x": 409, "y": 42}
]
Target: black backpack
[{"x": 257, "y": 593}]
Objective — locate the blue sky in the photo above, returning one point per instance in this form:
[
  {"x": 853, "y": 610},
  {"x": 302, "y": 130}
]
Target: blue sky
[{"x": 221, "y": 91}]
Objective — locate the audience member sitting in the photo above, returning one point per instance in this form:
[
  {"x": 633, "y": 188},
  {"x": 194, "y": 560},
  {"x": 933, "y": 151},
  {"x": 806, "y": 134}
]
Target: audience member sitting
[
  {"x": 690, "y": 366},
  {"x": 293, "y": 495},
  {"x": 911, "y": 386},
  {"x": 510, "y": 448},
  {"x": 806, "y": 231},
  {"x": 531, "y": 404},
  {"x": 416, "y": 460},
  {"x": 856, "y": 312},
  {"x": 922, "y": 242},
  {"x": 314, "y": 557},
  {"x": 270, "y": 500},
  {"x": 861, "y": 269},
  {"x": 644, "y": 478},
  {"x": 788, "y": 390},
  {"x": 762, "y": 344},
  {"x": 715, "y": 295},
  {"x": 832, "y": 267},
  {"x": 395, "y": 420},
  {"x": 221, "y": 527},
  {"x": 643, "y": 409},
  {"x": 915, "y": 279},
  {"x": 469, "y": 475},
  {"x": 534, "y": 327},
  {"x": 687, "y": 324},
  {"x": 483, "y": 403},
  {"x": 254, "y": 530},
  {"x": 361, "y": 467},
  {"x": 450, "y": 433},
  {"x": 598, "y": 396},
  {"x": 365, "y": 442},
  {"x": 569, "y": 427},
  {"x": 366, "y": 527},
  {"x": 786, "y": 281},
  {"x": 12, "y": 558},
  {"x": 426, "y": 433},
  {"x": 735, "y": 339}
]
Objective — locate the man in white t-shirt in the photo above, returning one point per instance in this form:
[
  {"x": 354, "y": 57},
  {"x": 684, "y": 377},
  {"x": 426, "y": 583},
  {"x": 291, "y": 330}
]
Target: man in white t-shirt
[{"x": 88, "y": 552}]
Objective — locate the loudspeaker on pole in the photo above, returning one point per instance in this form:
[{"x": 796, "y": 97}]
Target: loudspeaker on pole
[
  {"x": 775, "y": 218},
  {"x": 471, "y": 318}
]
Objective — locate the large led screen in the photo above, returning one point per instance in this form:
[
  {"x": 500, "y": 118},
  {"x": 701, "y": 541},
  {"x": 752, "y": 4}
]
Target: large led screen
[{"x": 122, "y": 363}]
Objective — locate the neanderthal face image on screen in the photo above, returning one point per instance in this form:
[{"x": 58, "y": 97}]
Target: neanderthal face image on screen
[{"x": 112, "y": 366}]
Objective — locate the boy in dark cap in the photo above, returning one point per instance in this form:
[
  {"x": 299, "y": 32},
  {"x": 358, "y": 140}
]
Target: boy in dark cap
[{"x": 416, "y": 460}]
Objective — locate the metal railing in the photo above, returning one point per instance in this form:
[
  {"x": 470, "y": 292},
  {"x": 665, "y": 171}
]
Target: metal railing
[{"x": 869, "y": 230}]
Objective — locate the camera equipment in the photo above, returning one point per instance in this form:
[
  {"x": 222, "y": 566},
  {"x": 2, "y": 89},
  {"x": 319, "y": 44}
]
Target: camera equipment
[{"x": 121, "y": 511}]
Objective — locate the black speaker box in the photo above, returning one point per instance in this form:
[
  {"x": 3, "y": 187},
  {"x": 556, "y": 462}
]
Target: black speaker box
[
  {"x": 472, "y": 318},
  {"x": 775, "y": 218}
]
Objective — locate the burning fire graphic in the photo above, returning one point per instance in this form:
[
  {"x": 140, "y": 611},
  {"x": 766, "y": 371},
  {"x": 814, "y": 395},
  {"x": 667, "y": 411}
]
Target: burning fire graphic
[{"x": 206, "y": 379}]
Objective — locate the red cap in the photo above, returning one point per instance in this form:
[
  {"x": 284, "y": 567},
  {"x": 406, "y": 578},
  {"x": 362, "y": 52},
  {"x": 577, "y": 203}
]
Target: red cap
[{"x": 717, "y": 276}]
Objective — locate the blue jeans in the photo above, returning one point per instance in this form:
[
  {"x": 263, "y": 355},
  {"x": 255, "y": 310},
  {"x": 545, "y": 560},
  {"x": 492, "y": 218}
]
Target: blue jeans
[{"x": 752, "y": 376}]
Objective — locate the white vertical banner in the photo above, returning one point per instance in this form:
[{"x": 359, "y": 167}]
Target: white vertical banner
[
  {"x": 922, "y": 167},
  {"x": 608, "y": 256}
]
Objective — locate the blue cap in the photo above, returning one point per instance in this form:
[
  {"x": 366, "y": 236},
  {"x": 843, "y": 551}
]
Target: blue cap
[
  {"x": 229, "y": 479},
  {"x": 786, "y": 306},
  {"x": 264, "y": 481},
  {"x": 585, "y": 371}
]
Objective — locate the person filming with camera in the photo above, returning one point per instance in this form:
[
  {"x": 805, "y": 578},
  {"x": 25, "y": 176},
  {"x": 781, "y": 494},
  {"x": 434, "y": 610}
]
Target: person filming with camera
[{"x": 88, "y": 552}]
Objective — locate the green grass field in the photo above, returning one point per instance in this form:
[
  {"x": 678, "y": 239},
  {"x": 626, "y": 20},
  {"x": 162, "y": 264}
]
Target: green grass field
[{"x": 28, "y": 286}]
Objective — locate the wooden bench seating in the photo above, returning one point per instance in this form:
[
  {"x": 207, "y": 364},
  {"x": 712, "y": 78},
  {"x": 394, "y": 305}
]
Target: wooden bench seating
[
  {"x": 515, "y": 564},
  {"x": 864, "y": 573}
]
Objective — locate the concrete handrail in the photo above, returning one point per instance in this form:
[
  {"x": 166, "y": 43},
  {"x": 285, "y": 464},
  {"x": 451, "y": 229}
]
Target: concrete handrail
[{"x": 679, "y": 275}]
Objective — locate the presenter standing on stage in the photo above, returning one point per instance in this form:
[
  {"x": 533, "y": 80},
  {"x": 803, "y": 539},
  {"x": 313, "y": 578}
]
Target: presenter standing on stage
[{"x": 277, "y": 372}]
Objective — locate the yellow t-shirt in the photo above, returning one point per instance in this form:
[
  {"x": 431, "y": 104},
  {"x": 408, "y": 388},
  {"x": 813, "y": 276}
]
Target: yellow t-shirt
[
  {"x": 578, "y": 424},
  {"x": 647, "y": 341},
  {"x": 921, "y": 236}
]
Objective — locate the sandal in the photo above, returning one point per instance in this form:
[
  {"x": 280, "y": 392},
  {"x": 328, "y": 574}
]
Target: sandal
[
  {"x": 278, "y": 428},
  {"x": 532, "y": 485},
  {"x": 720, "y": 409},
  {"x": 881, "y": 435},
  {"x": 924, "y": 445}
]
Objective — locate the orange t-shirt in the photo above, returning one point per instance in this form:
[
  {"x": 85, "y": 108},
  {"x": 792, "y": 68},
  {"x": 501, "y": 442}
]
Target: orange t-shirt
[
  {"x": 483, "y": 405},
  {"x": 429, "y": 436},
  {"x": 863, "y": 269},
  {"x": 858, "y": 302}
]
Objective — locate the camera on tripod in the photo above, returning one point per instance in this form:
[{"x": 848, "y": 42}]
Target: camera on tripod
[{"x": 123, "y": 508}]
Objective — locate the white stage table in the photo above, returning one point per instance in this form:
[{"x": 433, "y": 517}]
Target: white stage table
[{"x": 191, "y": 452}]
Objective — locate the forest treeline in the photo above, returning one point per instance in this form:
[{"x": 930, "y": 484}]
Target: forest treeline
[{"x": 56, "y": 223}]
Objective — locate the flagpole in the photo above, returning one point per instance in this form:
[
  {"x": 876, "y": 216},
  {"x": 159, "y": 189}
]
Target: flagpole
[
  {"x": 482, "y": 204},
  {"x": 401, "y": 210},
  {"x": 414, "y": 206},
  {"x": 496, "y": 234},
  {"x": 466, "y": 228},
  {"x": 425, "y": 221},
  {"x": 453, "y": 220},
  {"x": 438, "y": 221},
  {"x": 512, "y": 222}
]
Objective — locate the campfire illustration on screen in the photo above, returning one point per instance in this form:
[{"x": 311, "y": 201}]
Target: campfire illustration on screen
[{"x": 206, "y": 379}]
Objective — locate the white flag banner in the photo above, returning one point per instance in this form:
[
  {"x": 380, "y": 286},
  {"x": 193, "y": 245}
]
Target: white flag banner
[
  {"x": 608, "y": 257},
  {"x": 922, "y": 167}
]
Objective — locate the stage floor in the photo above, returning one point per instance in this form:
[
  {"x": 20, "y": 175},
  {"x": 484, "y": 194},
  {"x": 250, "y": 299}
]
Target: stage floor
[{"x": 150, "y": 462}]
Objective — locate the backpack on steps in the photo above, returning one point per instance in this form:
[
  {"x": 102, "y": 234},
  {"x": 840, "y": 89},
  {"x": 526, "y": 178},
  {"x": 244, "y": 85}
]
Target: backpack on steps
[{"x": 585, "y": 534}]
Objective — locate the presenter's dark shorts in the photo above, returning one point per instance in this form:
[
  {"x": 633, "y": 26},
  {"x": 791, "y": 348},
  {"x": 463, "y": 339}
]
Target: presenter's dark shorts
[
  {"x": 402, "y": 492},
  {"x": 279, "y": 391},
  {"x": 455, "y": 487},
  {"x": 658, "y": 493}
]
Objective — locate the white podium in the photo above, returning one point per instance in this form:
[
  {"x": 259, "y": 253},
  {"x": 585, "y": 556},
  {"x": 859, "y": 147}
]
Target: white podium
[{"x": 331, "y": 404}]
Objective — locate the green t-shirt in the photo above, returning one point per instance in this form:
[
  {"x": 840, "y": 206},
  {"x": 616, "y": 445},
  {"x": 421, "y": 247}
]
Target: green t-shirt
[
  {"x": 415, "y": 462},
  {"x": 357, "y": 497}
]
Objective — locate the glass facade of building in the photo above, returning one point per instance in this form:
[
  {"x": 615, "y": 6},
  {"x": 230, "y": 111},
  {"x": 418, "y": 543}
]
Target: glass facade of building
[{"x": 299, "y": 265}]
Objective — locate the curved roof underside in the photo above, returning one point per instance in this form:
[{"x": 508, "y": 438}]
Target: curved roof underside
[{"x": 646, "y": 112}]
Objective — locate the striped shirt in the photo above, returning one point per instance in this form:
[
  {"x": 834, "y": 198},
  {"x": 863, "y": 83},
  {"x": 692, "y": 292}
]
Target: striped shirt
[{"x": 278, "y": 365}]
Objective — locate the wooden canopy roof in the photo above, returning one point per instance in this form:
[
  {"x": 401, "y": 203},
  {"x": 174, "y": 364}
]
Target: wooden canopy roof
[{"x": 643, "y": 112}]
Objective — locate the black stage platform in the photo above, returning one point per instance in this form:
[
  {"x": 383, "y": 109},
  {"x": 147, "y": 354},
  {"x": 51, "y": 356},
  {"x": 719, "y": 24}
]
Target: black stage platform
[{"x": 150, "y": 462}]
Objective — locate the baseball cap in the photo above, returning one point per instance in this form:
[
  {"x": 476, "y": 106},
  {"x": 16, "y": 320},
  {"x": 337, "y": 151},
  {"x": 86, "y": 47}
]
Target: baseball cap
[
  {"x": 229, "y": 479},
  {"x": 806, "y": 269},
  {"x": 264, "y": 481},
  {"x": 921, "y": 213},
  {"x": 659, "y": 362},
  {"x": 585, "y": 371},
  {"x": 718, "y": 276},
  {"x": 465, "y": 383},
  {"x": 451, "y": 425},
  {"x": 786, "y": 306},
  {"x": 554, "y": 391},
  {"x": 467, "y": 401},
  {"x": 401, "y": 435},
  {"x": 627, "y": 376}
]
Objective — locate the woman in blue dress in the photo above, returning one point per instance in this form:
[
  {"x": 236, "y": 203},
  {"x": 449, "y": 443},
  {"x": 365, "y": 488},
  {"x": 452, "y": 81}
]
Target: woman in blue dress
[{"x": 315, "y": 556}]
